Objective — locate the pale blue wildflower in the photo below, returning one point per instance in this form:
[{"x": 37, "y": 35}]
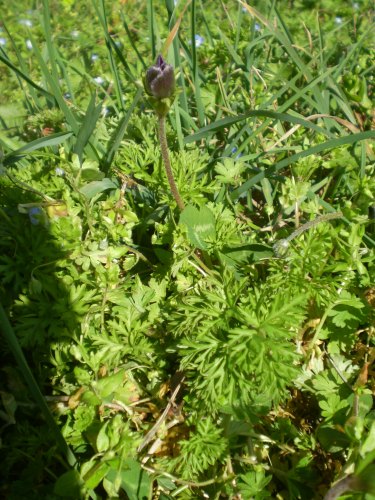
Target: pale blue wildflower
[
  {"x": 74, "y": 34},
  {"x": 25, "y": 22},
  {"x": 99, "y": 80},
  {"x": 338, "y": 20},
  {"x": 257, "y": 27},
  {"x": 59, "y": 171},
  {"x": 234, "y": 150},
  {"x": 29, "y": 44},
  {"x": 94, "y": 57},
  {"x": 35, "y": 215},
  {"x": 199, "y": 40},
  {"x": 3, "y": 41}
]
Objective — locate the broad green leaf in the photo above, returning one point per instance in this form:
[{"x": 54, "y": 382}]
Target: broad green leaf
[
  {"x": 134, "y": 480},
  {"x": 253, "y": 252},
  {"x": 200, "y": 223},
  {"x": 96, "y": 474},
  {"x": 93, "y": 188},
  {"x": 108, "y": 385},
  {"x": 102, "y": 441},
  {"x": 69, "y": 485}
]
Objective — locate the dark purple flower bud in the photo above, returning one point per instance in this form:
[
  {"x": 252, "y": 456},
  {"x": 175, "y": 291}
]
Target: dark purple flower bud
[{"x": 160, "y": 81}]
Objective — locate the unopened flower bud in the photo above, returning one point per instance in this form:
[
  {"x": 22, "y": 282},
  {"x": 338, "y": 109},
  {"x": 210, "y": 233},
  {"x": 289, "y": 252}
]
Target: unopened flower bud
[
  {"x": 160, "y": 85},
  {"x": 160, "y": 81}
]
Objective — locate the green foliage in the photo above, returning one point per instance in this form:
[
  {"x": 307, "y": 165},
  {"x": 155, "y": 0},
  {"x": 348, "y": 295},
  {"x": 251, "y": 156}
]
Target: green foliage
[
  {"x": 237, "y": 345},
  {"x": 221, "y": 352},
  {"x": 205, "y": 448}
]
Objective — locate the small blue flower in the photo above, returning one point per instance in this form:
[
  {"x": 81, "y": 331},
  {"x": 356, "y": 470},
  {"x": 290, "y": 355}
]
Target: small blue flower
[
  {"x": 199, "y": 40},
  {"x": 74, "y": 34},
  {"x": 67, "y": 95},
  {"x": 338, "y": 20},
  {"x": 59, "y": 171},
  {"x": 29, "y": 44},
  {"x": 234, "y": 150},
  {"x": 3, "y": 41},
  {"x": 94, "y": 57},
  {"x": 257, "y": 27},
  {"x": 25, "y": 22},
  {"x": 99, "y": 80},
  {"x": 355, "y": 5},
  {"x": 35, "y": 215}
]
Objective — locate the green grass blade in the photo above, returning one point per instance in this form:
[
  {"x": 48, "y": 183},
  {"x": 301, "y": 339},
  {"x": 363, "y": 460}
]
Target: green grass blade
[
  {"x": 182, "y": 102},
  {"x": 48, "y": 36},
  {"x": 285, "y": 106},
  {"x": 331, "y": 144},
  {"x": 119, "y": 133},
  {"x": 195, "y": 67},
  {"x": 24, "y": 68},
  {"x": 283, "y": 36},
  {"x": 55, "y": 88},
  {"x": 24, "y": 76},
  {"x": 88, "y": 126},
  {"x": 100, "y": 10},
  {"x": 130, "y": 38},
  {"x": 151, "y": 28},
  {"x": 231, "y": 120},
  {"x": 35, "y": 392},
  {"x": 43, "y": 142}
]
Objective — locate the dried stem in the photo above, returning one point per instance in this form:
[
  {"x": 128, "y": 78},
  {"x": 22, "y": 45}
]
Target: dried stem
[
  {"x": 349, "y": 483},
  {"x": 167, "y": 163}
]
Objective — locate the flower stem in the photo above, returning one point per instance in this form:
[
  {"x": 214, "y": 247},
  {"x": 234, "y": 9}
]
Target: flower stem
[{"x": 167, "y": 163}]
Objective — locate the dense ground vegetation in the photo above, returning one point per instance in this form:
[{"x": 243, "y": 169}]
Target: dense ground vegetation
[{"x": 225, "y": 351}]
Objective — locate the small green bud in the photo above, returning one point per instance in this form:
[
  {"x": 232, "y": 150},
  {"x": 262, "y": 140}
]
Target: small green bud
[{"x": 160, "y": 85}]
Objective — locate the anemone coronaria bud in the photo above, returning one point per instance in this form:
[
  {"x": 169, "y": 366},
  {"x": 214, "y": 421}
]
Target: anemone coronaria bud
[{"x": 159, "y": 80}]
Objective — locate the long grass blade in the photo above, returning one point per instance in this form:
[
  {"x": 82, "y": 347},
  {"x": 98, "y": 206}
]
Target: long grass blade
[
  {"x": 331, "y": 144},
  {"x": 43, "y": 142},
  {"x": 11, "y": 339},
  {"x": 119, "y": 133},
  {"x": 87, "y": 127},
  {"x": 24, "y": 76},
  {"x": 231, "y": 120}
]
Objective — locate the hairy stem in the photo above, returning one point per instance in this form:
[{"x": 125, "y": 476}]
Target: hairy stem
[{"x": 167, "y": 163}]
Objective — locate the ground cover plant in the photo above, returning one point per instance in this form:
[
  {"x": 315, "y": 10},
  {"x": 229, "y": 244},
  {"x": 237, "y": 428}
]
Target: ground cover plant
[{"x": 187, "y": 264}]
